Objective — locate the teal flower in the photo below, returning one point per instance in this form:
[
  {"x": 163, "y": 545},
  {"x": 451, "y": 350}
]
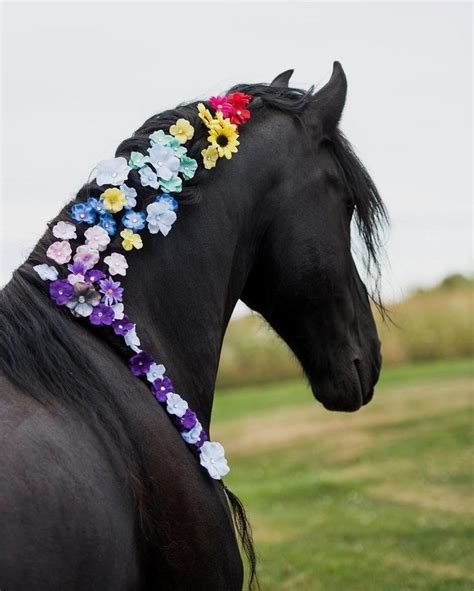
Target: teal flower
[
  {"x": 138, "y": 160},
  {"x": 174, "y": 185},
  {"x": 162, "y": 138},
  {"x": 178, "y": 149},
  {"x": 188, "y": 167}
]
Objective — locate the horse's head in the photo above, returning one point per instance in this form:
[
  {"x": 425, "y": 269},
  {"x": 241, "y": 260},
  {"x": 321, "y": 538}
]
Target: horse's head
[{"x": 304, "y": 280}]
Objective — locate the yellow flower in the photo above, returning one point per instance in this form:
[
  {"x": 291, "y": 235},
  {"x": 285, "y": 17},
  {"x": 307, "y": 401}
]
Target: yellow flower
[
  {"x": 205, "y": 115},
  {"x": 209, "y": 157},
  {"x": 113, "y": 199},
  {"x": 131, "y": 240},
  {"x": 223, "y": 136},
  {"x": 182, "y": 130}
]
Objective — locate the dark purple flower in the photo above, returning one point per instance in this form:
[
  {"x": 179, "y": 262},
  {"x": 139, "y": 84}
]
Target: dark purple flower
[
  {"x": 188, "y": 420},
  {"x": 77, "y": 269},
  {"x": 94, "y": 275},
  {"x": 161, "y": 387},
  {"x": 122, "y": 326},
  {"x": 102, "y": 315},
  {"x": 202, "y": 438},
  {"x": 140, "y": 363},
  {"x": 111, "y": 290},
  {"x": 61, "y": 291}
]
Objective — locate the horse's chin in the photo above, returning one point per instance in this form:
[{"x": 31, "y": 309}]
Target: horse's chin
[{"x": 344, "y": 393}]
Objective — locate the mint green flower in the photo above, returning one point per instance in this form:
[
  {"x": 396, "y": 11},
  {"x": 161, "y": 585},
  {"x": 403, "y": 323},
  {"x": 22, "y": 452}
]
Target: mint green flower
[
  {"x": 174, "y": 185},
  {"x": 138, "y": 160},
  {"x": 188, "y": 167},
  {"x": 162, "y": 138}
]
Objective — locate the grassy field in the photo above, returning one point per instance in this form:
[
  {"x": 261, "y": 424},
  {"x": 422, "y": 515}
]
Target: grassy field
[{"x": 377, "y": 500}]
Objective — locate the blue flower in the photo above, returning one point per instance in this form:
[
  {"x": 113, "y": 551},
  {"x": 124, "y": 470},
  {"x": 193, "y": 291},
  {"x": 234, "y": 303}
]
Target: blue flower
[
  {"x": 107, "y": 222},
  {"x": 173, "y": 204},
  {"x": 97, "y": 205},
  {"x": 134, "y": 220},
  {"x": 83, "y": 213},
  {"x": 173, "y": 185},
  {"x": 130, "y": 195},
  {"x": 188, "y": 167}
]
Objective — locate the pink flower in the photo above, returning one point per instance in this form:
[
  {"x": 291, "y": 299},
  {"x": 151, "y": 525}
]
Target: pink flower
[
  {"x": 65, "y": 231},
  {"x": 97, "y": 237},
  {"x": 117, "y": 264},
  {"x": 60, "y": 252},
  {"x": 221, "y": 105},
  {"x": 87, "y": 255}
]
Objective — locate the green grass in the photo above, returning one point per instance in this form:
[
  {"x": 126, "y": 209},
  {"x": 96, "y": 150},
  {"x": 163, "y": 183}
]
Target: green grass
[{"x": 377, "y": 500}]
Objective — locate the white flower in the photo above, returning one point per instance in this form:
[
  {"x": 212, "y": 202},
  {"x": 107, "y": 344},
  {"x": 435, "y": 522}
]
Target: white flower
[
  {"x": 160, "y": 217},
  {"x": 117, "y": 264},
  {"x": 192, "y": 436},
  {"x": 130, "y": 195},
  {"x": 175, "y": 405},
  {"x": 75, "y": 278},
  {"x": 156, "y": 371},
  {"x": 87, "y": 255},
  {"x": 46, "y": 272},
  {"x": 212, "y": 457},
  {"x": 148, "y": 177},
  {"x": 164, "y": 161},
  {"x": 60, "y": 252},
  {"x": 97, "y": 238},
  {"x": 65, "y": 231},
  {"x": 118, "y": 311},
  {"x": 112, "y": 172},
  {"x": 131, "y": 340}
]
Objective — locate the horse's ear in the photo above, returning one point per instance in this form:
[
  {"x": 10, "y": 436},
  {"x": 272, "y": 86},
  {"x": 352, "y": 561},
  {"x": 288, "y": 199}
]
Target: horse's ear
[
  {"x": 282, "y": 79},
  {"x": 329, "y": 101}
]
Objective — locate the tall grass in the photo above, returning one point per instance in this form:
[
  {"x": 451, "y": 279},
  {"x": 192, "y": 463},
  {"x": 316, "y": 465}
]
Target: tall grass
[{"x": 434, "y": 324}]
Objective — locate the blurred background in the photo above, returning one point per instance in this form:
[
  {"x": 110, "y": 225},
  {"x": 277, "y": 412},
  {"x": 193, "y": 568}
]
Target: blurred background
[{"x": 378, "y": 500}]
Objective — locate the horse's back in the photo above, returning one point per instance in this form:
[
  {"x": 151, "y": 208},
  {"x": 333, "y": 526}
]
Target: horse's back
[{"x": 68, "y": 519}]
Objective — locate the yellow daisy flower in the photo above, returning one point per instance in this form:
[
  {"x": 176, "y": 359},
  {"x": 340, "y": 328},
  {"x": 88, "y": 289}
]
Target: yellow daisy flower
[
  {"x": 223, "y": 136},
  {"x": 209, "y": 157},
  {"x": 113, "y": 199},
  {"x": 205, "y": 115},
  {"x": 131, "y": 240},
  {"x": 182, "y": 130}
]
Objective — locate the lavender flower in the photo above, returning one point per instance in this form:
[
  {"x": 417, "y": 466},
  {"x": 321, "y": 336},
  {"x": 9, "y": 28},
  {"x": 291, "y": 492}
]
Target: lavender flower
[{"x": 111, "y": 290}]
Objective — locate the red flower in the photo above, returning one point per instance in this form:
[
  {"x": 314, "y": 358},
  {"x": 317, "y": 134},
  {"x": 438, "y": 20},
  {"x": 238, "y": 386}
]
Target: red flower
[{"x": 239, "y": 101}]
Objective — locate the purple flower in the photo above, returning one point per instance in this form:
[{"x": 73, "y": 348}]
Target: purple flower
[
  {"x": 161, "y": 388},
  {"x": 111, "y": 290},
  {"x": 188, "y": 420},
  {"x": 122, "y": 326},
  {"x": 102, "y": 315},
  {"x": 61, "y": 291},
  {"x": 202, "y": 439},
  {"x": 94, "y": 275},
  {"x": 140, "y": 363},
  {"x": 77, "y": 268}
]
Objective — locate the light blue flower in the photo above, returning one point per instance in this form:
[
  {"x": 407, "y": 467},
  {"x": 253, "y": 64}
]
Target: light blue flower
[
  {"x": 156, "y": 371},
  {"x": 107, "y": 222},
  {"x": 175, "y": 405},
  {"x": 188, "y": 167},
  {"x": 112, "y": 172},
  {"x": 97, "y": 205},
  {"x": 137, "y": 160},
  {"x": 46, "y": 272},
  {"x": 161, "y": 138},
  {"x": 148, "y": 177},
  {"x": 160, "y": 216},
  {"x": 131, "y": 340},
  {"x": 134, "y": 220},
  {"x": 130, "y": 195},
  {"x": 164, "y": 161},
  {"x": 192, "y": 436},
  {"x": 174, "y": 185}
]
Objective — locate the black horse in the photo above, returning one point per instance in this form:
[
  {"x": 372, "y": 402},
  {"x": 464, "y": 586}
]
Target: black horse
[{"x": 99, "y": 491}]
